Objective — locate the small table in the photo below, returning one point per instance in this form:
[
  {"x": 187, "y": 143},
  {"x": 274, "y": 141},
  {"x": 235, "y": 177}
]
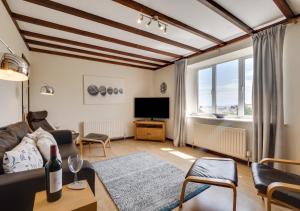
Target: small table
[{"x": 79, "y": 200}]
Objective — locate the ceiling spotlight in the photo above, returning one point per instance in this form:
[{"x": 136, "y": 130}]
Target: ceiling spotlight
[
  {"x": 140, "y": 19},
  {"x": 160, "y": 26},
  {"x": 149, "y": 23},
  {"x": 165, "y": 30}
]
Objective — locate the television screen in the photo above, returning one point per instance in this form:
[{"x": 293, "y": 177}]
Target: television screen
[{"x": 156, "y": 107}]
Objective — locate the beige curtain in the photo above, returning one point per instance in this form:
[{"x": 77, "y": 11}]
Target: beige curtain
[
  {"x": 179, "y": 132},
  {"x": 268, "y": 93}
]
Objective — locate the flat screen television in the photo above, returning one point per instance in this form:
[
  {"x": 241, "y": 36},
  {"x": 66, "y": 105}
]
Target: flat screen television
[{"x": 154, "y": 107}]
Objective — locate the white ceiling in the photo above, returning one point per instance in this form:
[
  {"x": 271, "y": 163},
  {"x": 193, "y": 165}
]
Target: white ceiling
[{"x": 191, "y": 12}]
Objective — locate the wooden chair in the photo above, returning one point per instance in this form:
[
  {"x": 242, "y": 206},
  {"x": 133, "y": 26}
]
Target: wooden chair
[{"x": 279, "y": 187}]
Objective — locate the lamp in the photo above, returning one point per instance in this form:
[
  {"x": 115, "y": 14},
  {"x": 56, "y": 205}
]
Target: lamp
[
  {"x": 13, "y": 67},
  {"x": 47, "y": 90}
]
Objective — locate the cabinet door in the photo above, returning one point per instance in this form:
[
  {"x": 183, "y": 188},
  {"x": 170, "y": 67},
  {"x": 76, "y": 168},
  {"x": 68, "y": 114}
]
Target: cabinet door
[
  {"x": 141, "y": 133},
  {"x": 155, "y": 134}
]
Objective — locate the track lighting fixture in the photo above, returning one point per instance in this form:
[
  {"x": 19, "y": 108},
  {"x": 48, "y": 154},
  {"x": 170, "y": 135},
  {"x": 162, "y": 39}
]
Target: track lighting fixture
[
  {"x": 162, "y": 26},
  {"x": 139, "y": 21},
  {"x": 149, "y": 23}
]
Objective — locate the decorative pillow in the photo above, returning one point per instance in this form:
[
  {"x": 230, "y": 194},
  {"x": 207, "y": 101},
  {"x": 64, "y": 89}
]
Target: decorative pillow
[
  {"x": 43, "y": 141},
  {"x": 23, "y": 157}
]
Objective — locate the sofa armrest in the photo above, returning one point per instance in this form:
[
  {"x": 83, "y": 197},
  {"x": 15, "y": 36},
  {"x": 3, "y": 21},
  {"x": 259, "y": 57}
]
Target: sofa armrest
[
  {"x": 17, "y": 190},
  {"x": 62, "y": 136}
]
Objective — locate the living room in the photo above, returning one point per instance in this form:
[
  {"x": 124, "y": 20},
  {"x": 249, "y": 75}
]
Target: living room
[{"x": 153, "y": 105}]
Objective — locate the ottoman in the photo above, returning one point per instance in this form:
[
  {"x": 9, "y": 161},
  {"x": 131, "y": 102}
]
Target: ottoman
[
  {"x": 213, "y": 171},
  {"x": 95, "y": 138}
]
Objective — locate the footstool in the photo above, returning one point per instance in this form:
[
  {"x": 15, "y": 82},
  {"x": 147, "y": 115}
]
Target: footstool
[
  {"x": 95, "y": 138},
  {"x": 213, "y": 171}
]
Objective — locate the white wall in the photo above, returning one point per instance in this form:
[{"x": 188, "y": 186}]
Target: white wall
[
  {"x": 291, "y": 64},
  {"x": 166, "y": 75},
  {"x": 10, "y": 92},
  {"x": 66, "y": 108}
]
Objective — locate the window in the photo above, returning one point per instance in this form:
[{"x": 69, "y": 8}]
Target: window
[
  {"x": 226, "y": 88},
  {"x": 248, "y": 85},
  {"x": 204, "y": 90}
]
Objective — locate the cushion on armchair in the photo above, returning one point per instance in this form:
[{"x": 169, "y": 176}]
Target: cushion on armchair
[{"x": 264, "y": 175}]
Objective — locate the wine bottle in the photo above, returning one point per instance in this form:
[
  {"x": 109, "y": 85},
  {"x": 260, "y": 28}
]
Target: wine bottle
[{"x": 53, "y": 176}]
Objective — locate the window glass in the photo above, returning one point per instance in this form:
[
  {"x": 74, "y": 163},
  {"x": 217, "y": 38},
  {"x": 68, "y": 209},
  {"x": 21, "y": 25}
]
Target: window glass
[
  {"x": 227, "y": 88},
  {"x": 248, "y": 85},
  {"x": 204, "y": 90}
]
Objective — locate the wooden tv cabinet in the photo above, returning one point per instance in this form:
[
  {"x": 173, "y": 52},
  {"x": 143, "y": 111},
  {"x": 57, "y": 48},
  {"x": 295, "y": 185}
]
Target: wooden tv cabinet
[{"x": 150, "y": 130}]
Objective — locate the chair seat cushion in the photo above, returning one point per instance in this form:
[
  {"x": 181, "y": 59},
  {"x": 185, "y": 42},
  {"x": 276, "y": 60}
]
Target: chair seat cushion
[
  {"x": 96, "y": 136},
  {"x": 215, "y": 168},
  {"x": 264, "y": 175}
]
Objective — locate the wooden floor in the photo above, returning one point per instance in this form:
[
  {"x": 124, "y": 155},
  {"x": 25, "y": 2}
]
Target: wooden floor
[{"x": 213, "y": 199}]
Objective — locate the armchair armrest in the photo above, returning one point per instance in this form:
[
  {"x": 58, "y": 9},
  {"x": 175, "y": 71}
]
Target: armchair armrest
[
  {"x": 280, "y": 186},
  {"x": 275, "y": 160},
  {"x": 62, "y": 136}
]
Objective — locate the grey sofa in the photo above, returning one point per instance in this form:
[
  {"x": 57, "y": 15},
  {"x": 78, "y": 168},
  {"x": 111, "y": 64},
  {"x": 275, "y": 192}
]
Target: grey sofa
[{"x": 17, "y": 190}]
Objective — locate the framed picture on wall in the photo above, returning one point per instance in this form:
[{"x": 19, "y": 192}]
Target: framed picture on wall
[{"x": 102, "y": 90}]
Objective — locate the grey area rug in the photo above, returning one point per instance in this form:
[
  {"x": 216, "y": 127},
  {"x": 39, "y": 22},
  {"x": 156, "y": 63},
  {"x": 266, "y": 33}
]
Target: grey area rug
[{"x": 142, "y": 181}]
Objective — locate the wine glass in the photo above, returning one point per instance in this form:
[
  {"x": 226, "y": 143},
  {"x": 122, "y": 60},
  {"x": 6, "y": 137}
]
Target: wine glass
[{"x": 75, "y": 164}]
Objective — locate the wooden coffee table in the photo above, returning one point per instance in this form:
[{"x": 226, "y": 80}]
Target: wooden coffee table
[{"x": 79, "y": 200}]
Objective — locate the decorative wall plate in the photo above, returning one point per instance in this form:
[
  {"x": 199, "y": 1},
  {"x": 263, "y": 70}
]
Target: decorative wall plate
[
  {"x": 102, "y": 90},
  {"x": 110, "y": 90},
  {"x": 121, "y": 91},
  {"x": 116, "y": 90},
  {"x": 93, "y": 90},
  {"x": 163, "y": 88}
]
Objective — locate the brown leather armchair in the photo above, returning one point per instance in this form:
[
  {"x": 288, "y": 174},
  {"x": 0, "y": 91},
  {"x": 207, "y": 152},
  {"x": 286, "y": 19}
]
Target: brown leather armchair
[
  {"x": 38, "y": 119},
  {"x": 279, "y": 187}
]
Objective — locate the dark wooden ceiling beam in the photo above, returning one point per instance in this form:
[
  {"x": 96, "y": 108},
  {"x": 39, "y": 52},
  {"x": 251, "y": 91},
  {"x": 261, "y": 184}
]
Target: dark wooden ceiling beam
[
  {"x": 284, "y": 8},
  {"x": 14, "y": 21},
  {"x": 89, "y": 34},
  {"x": 148, "y": 11},
  {"x": 88, "y": 58},
  {"x": 88, "y": 16},
  {"x": 85, "y": 45},
  {"x": 214, "y": 6},
  {"x": 77, "y": 50},
  {"x": 238, "y": 39}
]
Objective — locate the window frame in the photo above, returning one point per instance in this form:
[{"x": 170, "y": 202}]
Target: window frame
[{"x": 241, "y": 85}]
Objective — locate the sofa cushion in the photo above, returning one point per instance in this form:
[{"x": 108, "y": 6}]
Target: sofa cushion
[
  {"x": 264, "y": 175},
  {"x": 23, "y": 157},
  {"x": 66, "y": 150},
  {"x": 7, "y": 142},
  {"x": 19, "y": 129},
  {"x": 44, "y": 140}
]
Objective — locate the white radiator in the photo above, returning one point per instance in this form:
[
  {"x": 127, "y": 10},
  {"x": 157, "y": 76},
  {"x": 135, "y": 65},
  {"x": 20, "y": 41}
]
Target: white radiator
[
  {"x": 112, "y": 128},
  {"x": 225, "y": 140}
]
